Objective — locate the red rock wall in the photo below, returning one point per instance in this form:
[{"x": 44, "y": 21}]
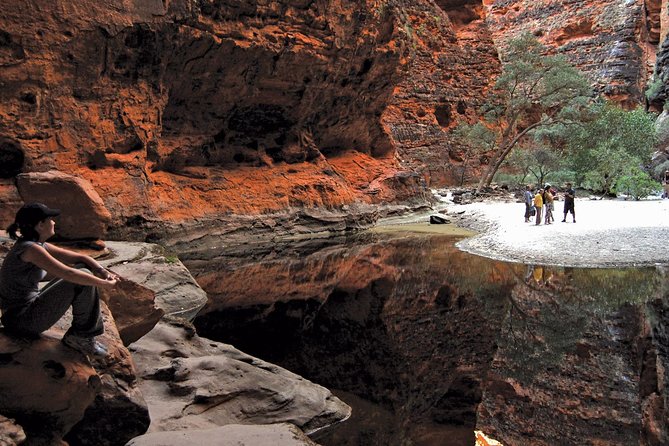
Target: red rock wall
[
  {"x": 177, "y": 111},
  {"x": 608, "y": 41}
]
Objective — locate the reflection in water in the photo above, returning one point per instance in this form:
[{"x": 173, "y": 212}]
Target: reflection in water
[{"x": 427, "y": 343}]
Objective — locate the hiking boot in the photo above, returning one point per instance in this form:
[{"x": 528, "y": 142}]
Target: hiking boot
[
  {"x": 87, "y": 346},
  {"x": 564, "y": 221}
]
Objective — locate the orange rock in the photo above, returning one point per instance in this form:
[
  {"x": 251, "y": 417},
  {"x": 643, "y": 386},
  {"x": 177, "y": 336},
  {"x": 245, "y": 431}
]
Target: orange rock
[{"x": 83, "y": 214}]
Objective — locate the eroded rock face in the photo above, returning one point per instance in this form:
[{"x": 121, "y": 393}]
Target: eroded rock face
[
  {"x": 177, "y": 111},
  {"x": 194, "y": 383},
  {"x": 46, "y": 387},
  {"x": 608, "y": 41}
]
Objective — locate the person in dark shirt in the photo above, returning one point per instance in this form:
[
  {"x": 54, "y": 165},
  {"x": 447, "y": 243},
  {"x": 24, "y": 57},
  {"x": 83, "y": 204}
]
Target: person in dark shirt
[
  {"x": 28, "y": 310},
  {"x": 528, "y": 197},
  {"x": 569, "y": 203}
]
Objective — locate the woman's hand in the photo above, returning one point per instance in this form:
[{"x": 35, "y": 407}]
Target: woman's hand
[
  {"x": 105, "y": 274},
  {"x": 109, "y": 283}
]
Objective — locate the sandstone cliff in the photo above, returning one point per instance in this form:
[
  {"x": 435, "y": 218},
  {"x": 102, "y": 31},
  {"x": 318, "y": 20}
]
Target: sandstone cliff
[{"x": 180, "y": 112}]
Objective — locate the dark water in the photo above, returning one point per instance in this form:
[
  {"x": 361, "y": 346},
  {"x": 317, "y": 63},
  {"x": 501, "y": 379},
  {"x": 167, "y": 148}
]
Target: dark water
[{"x": 428, "y": 344}]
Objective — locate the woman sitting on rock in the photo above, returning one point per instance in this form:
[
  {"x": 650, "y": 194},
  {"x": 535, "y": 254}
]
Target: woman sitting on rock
[{"x": 27, "y": 310}]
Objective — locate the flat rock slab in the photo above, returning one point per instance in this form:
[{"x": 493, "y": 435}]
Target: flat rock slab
[
  {"x": 195, "y": 383},
  {"x": 176, "y": 292},
  {"x": 283, "y": 434}
]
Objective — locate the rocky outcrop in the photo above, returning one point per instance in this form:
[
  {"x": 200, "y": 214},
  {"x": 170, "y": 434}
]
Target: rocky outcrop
[
  {"x": 54, "y": 392},
  {"x": 231, "y": 435},
  {"x": 194, "y": 383},
  {"x": 157, "y": 277},
  {"x": 45, "y": 386},
  {"x": 83, "y": 214}
]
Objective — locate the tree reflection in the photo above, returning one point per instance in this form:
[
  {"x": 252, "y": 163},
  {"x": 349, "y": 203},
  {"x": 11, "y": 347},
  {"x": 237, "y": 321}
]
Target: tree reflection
[{"x": 551, "y": 309}]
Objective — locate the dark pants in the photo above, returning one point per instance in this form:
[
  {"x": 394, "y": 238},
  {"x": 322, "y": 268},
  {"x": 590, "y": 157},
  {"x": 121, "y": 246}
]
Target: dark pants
[
  {"x": 527, "y": 211},
  {"x": 51, "y": 304}
]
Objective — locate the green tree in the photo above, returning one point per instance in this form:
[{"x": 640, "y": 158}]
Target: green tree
[
  {"x": 613, "y": 143},
  {"x": 637, "y": 184},
  {"x": 485, "y": 141},
  {"x": 534, "y": 91},
  {"x": 536, "y": 159}
]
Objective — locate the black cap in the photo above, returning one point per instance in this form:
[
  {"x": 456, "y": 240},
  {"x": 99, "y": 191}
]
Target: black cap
[{"x": 33, "y": 213}]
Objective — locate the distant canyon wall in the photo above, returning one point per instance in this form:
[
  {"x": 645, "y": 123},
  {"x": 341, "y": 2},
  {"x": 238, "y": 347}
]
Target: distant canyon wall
[{"x": 177, "y": 111}]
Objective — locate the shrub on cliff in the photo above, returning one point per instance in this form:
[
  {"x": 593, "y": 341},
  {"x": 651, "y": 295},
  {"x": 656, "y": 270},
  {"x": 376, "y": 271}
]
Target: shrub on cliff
[{"x": 535, "y": 91}]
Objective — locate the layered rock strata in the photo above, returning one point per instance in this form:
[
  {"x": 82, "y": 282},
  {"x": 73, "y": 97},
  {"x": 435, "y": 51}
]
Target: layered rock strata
[
  {"x": 180, "y": 111},
  {"x": 610, "y": 42}
]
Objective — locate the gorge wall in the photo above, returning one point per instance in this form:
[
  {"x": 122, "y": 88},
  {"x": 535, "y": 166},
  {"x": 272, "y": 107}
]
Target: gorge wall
[{"x": 179, "y": 111}]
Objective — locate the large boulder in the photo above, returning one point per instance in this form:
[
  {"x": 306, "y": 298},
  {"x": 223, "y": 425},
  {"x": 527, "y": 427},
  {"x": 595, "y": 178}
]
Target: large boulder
[
  {"x": 134, "y": 310},
  {"x": 283, "y": 434},
  {"x": 194, "y": 383},
  {"x": 84, "y": 215},
  {"x": 44, "y": 386},
  {"x": 55, "y": 392}
]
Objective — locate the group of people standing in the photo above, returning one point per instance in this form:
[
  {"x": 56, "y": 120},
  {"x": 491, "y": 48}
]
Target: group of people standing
[{"x": 541, "y": 204}]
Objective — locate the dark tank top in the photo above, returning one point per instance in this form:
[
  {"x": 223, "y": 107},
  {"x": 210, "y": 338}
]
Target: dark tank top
[{"x": 19, "y": 280}]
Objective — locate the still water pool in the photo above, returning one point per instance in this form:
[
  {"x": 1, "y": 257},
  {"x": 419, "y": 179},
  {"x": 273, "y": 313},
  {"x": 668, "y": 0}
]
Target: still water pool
[{"x": 428, "y": 344}]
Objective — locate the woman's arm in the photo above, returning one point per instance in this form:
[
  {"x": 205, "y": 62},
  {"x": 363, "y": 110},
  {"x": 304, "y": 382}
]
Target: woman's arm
[
  {"x": 72, "y": 258},
  {"x": 39, "y": 256}
]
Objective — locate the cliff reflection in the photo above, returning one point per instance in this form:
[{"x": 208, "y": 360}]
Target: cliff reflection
[{"x": 426, "y": 342}]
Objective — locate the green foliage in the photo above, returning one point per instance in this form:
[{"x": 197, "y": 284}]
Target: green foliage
[
  {"x": 658, "y": 171},
  {"x": 538, "y": 161},
  {"x": 637, "y": 184},
  {"x": 611, "y": 144},
  {"x": 654, "y": 88},
  {"x": 535, "y": 91},
  {"x": 475, "y": 139}
]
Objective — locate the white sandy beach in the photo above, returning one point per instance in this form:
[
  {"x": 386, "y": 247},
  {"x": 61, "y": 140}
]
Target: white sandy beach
[{"x": 606, "y": 233}]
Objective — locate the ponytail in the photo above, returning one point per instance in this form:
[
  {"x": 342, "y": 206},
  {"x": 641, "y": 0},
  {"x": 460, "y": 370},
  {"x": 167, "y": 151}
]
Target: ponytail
[
  {"x": 27, "y": 232},
  {"x": 11, "y": 230}
]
